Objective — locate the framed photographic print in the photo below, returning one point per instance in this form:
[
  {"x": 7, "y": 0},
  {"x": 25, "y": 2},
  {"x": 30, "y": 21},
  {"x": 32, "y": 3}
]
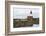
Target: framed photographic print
[{"x": 24, "y": 17}]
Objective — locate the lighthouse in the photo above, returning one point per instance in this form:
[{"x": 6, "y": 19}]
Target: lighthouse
[
  {"x": 30, "y": 13},
  {"x": 29, "y": 17}
]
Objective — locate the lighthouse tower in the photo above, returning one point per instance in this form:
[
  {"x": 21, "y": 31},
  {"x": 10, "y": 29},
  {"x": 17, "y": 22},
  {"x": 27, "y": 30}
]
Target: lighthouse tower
[
  {"x": 30, "y": 19},
  {"x": 30, "y": 16}
]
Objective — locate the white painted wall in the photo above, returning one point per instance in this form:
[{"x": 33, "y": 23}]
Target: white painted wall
[{"x": 2, "y": 17}]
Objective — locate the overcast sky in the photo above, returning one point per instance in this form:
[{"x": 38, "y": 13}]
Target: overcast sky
[{"x": 24, "y": 12}]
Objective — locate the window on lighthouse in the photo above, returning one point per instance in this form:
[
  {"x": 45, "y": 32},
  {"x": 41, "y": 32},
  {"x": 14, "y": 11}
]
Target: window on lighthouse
[{"x": 30, "y": 13}]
